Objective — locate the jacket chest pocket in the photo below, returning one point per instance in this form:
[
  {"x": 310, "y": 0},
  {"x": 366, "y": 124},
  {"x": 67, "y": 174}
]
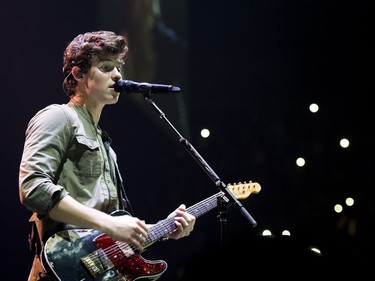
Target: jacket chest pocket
[{"x": 86, "y": 157}]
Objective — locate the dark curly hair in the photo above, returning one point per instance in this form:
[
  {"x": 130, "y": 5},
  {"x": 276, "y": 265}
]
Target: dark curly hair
[{"x": 85, "y": 47}]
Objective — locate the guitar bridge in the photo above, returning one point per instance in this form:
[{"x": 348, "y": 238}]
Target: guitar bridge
[{"x": 96, "y": 263}]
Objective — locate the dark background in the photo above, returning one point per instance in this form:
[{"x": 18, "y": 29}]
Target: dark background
[{"x": 248, "y": 71}]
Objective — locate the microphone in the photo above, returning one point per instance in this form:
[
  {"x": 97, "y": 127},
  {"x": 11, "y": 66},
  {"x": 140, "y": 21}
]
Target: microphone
[{"x": 128, "y": 86}]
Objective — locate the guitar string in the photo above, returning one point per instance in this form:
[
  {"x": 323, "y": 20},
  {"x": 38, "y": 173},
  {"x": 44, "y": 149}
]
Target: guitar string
[
  {"x": 120, "y": 248},
  {"x": 113, "y": 250}
]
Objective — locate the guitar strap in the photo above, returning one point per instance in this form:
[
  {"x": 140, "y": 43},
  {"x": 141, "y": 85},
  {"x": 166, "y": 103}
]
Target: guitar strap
[{"x": 125, "y": 201}]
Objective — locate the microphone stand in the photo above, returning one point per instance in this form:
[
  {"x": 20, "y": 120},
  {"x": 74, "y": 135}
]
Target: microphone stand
[{"x": 223, "y": 202}]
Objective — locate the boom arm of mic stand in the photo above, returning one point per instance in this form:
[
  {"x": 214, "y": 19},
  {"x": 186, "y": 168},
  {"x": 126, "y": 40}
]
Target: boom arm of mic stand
[
  {"x": 232, "y": 199},
  {"x": 199, "y": 159}
]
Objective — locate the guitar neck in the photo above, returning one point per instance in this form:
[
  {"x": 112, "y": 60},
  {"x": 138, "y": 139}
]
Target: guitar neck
[{"x": 167, "y": 225}]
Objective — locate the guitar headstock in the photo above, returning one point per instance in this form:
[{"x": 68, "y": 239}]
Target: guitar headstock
[{"x": 243, "y": 190}]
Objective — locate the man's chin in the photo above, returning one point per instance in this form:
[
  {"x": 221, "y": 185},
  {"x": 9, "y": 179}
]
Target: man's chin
[{"x": 115, "y": 97}]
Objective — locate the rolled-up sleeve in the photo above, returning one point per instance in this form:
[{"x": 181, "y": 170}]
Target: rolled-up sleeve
[{"x": 47, "y": 137}]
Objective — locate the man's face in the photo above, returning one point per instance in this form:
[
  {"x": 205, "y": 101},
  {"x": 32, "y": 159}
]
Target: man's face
[{"x": 100, "y": 79}]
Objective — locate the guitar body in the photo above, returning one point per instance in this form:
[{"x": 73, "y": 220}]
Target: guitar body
[{"x": 87, "y": 254}]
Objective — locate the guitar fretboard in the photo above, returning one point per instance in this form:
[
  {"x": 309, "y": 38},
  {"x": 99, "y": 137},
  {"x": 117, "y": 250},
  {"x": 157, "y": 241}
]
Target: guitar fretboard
[{"x": 167, "y": 225}]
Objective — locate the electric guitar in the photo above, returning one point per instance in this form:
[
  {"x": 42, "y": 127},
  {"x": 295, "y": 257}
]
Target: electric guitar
[{"x": 91, "y": 255}]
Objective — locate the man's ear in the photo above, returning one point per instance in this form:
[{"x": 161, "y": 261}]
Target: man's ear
[{"x": 76, "y": 72}]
